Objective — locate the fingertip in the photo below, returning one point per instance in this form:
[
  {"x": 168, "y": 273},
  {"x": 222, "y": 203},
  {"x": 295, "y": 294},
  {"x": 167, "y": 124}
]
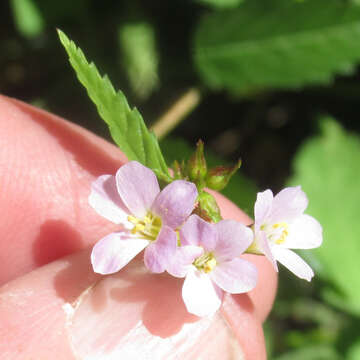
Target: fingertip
[
  {"x": 238, "y": 311},
  {"x": 127, "y": 315},
  {"x": 48, "y": 165}
]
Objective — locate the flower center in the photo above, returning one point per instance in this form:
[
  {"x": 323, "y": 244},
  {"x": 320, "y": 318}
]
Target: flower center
[
  {"x": 277, "y": 233},
  {"x": 147, "y": 227},
  {"x": 205, "y": 262}
]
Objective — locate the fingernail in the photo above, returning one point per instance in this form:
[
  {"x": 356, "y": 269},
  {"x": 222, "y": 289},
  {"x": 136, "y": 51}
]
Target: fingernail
[{"x": 134, "y": 314}]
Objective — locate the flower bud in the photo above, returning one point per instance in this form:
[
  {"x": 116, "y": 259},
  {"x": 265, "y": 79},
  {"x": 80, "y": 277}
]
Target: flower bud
[
  {"x": 208, "y": 208},
  {"x": 196, "y": 166},
  {"x": 179, "y": 172},
  {"x": 219, "y": 176}
]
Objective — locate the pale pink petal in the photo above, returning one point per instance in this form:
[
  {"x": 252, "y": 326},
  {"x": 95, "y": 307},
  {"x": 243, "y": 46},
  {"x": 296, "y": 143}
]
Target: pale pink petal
[
  {"x": 114, "y": 251},
  {"x": 288, "y": 204},
  {"x": 233, "y": 239},
  {"x": 304, "y": 233},
  {"x": 201, "y": 296},
  {"x": 183, "y": 259},
  {"x": 159, "y": 253},
  {"x": 263, "y": 245},
  {"x": 236, "y": 276},
  {"x": 263, "y": 206},
  {"x": 175, "y": 202},
  {"x": 293, "y": 262},
  {"x": 106, "y": 201},
  {"x": 198, "y": 232},
  {"x": 137, "y": 186}
]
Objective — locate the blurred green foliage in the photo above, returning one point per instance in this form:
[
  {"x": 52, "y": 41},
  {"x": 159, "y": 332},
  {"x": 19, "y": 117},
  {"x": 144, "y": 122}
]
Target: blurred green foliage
[
  {"x": 139, "y": 56},
  {"x": 221, "y": 4},
  {"x": 27, "y": 17},
  {"x": 294, "y": 60},
  {"x": 281, "y": 44},
  {"x": 326, "y": 167}
]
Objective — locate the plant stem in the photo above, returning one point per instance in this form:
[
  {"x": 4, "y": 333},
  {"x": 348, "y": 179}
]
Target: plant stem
[{"x": 177, "y": 112}]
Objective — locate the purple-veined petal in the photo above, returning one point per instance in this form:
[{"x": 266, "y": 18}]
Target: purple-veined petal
[
  {"x": 114, "y": 251},
  {"x": 106, "y": 201},
  {"x": 233, "y": 239},
  {"x": 288, "y": 204},
  {"x": 263, "y": 245},
  {"x": 293, "y": 262},
  {"x": 182, "y": 261},
  {"x": 304, "y": 233},
  {"x": 201, "y": 296},
  {"x": 263, "y": 206},
  {"x": 159, "y": 253},
  {"x": 137, "y": 186},
  {"x": 198, "y": 232},
  {"x": 236, "y": 276},
  {"x": 175, "y": 202}
]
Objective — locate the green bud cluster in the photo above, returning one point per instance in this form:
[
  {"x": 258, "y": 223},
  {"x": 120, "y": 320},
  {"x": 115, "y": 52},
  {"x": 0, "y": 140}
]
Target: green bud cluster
[{"x": 196, "y": 170}]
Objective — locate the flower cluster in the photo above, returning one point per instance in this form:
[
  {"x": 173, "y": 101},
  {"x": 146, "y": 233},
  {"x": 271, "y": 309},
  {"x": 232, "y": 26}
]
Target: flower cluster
[{"x": 164, "y": 224}]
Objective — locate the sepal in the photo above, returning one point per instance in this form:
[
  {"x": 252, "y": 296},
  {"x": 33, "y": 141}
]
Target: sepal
[{"x": 219, "y": 176}]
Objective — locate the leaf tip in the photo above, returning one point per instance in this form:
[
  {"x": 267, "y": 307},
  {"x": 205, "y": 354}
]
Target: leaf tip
[{"x": 63, "y": 38}]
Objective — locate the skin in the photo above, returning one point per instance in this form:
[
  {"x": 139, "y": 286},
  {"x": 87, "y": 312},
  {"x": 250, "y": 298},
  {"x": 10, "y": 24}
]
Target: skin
[{"x": 47, "y": 231}]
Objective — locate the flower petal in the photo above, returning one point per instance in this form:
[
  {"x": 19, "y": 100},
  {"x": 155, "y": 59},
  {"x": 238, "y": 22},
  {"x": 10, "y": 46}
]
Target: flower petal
[
  {"x": 198, "y": 232},
  {"x": 159, "y": 253},
  {"x": 236, "y": 276},
  {"x": 201, "y": 296},
  {"x": 233, "y": 239},
  {"x": 175, "y": 202},
  {"x": 263, "y": 206},
  {"x": 293, "y": 262},
  {"x": 304, "y": 233},
  {"x": 288, "y": 204},
  {"x": 137, "y": 186},
  {"x": 114, "y": 251},
  {"x": 106, "y": 201},
  {"x": 182, "y": 260},
  {"x": 263, "y": 246}
]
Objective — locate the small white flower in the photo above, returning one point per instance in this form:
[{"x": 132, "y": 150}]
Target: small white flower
[
  {"x": 280, "y": 225},
  {"x": 209, "y": 260},
  {"x": 132, "y": 198}
]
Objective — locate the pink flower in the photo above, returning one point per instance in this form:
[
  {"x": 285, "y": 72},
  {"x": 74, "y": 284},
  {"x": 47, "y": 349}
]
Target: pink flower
[
  {"x": 280, "y": 225},
  {"x": 208, "y": 258},
  {"x": 133, "y": 199}
]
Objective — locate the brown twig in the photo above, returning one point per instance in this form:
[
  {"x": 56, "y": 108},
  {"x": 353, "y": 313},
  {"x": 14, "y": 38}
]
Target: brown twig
[{"x": 176, "y": 113}]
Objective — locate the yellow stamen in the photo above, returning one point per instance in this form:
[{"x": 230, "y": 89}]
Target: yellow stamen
[
  {"x": 205, "y": 262},
  {"x": 147, "y": 220},
  {"x": 133, "y": 219},
  {"x": 210, "y": 265},
  {"x": 280, "y": 224},
  {"x": 148, "y": 227},
  {"x": 281, "y": 239}
]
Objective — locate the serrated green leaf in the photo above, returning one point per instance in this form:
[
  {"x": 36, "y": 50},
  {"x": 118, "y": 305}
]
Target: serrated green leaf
[
  {"x": 28, "y": 19},
  {"x": 126, "y": 125},
  {"x": 328, "y": 169},
  {"x": 140, "y": 57},
  {"x": 278, "y": 44}
]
